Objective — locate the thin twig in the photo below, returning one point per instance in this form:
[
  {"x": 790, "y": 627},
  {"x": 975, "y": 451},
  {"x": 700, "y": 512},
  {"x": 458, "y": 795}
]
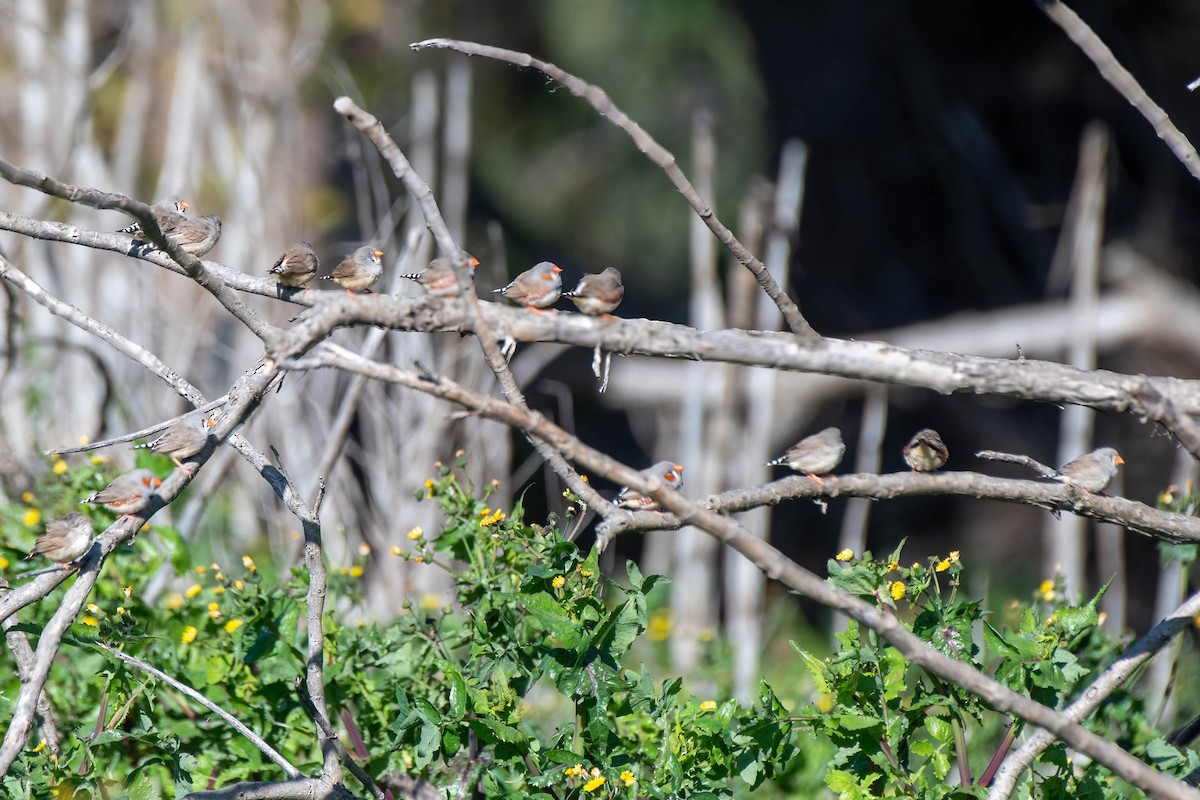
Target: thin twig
[
  {"x": 270, "y": 752},
  {"x": 599, "y": 100},
  {"x": 329, "y": 734}
]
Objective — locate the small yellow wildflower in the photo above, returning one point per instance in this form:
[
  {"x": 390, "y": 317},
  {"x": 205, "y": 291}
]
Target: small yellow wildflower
[
  {"x": 571, "y": 772},
  {"x": 954, "y": 556},
  {"x": 364, "y": 549},
  {"x": 1046, "y": 590},
  {"x": 492, "y": 519},
  {"x": 192, "y": 591},
  {"x": 220, "y": 590},
  {"x": 26, "y": 497},
  {"x": 825, "y": 702},
  {"x": 585, "y": 573},
  {"x": 90, "y": 621},
  {"x": 916, "y": 565},
  {"x": 1053, "y": 618},
  {"x": 60, "y": 467},
  {"x": 396, "y": 550},
  {"x": 248, "y": 563},
  {"x": 415, "y": 533},
  {"x": 898, "y": 589},
  {"x": 430, "y": 601},
  {"x": 201, "y": 569},
  {"x": 845, "y": 555},
  {"x": 214, "y": 611},
  {"x": 659, "y": 629},
  {"x": 594, "y": 784},
  {"x": 559, "y": 581},
  {"x": 40, "y": 747},
  {"x": 32, "y": 517},
  {"x": 708, "y": 705},
  {"x": 233, "y": 625},
  {"x": 174, "y": 601},
  {"x": 189, "y": 634},
  {"x": 892, "y": 566},
  {"x": 120, "y": 610},
  {"x": 84, "y": 440},
  {"x": 215, "y": 567},
  {"x": 420, "y": 559},
  {"x": 356, "y": 571},
  {"x": 128, "y": 592},
  {"x": 583, "y": 478},
  {"x": 943, "y": 565},
  {"x": 627, "y": 778},
  {"x": 3, "y": 562},
  {"x": 239, "y": 585},
  {"x": 99, "y": 459},
  {"x": 486, "y": 510},
  {"x": 219, "y": 577}
]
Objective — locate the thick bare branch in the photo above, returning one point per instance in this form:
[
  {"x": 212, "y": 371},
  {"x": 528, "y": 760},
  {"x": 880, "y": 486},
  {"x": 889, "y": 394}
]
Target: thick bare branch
[
  {"x": 599, "y": 100},
  {"x": 777, "y": 566}
]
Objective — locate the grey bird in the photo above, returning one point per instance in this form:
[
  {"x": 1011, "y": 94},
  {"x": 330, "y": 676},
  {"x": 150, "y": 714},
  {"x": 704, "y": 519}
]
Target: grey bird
[
  {"x": 537, "y": 287},
  {"x": 182, "y": 439},
  {"x": 926, "y": 452},
  {"x": 195, "y": 236},
  {"x": 668, "y": 472},
  {"x": 358, "y": 271},
  {"x": 814, "y": 455},
  {"x": 598, "y": 293},
  {"x": 297, "y": 266},
  {"x": 167, "y": 211},
  {"x": 438, "y": 279},
  {"x": 66, "y": 540},
  {"x": 1093, "y": 471},
  {"x": 128, "y": 493}
]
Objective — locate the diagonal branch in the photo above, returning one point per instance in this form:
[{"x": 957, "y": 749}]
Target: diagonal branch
[
  {"x": 270, "y": 752},
  {"x": 599, "y": 100},
  {"x": 777, "y": 566}
]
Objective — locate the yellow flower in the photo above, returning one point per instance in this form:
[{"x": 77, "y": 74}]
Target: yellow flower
[
  {"x": 414, "y": 534},
  {"x": 120, "y": 610},
  {"x": 239, "y": 585},
  {"x": 594, "y": 784},
  {"x": 429, "y": 484},
  {"x": 174, "y": 601},
  {"x": 825, "y": 702},
  {"x": 189, "y": 634},
  {"x": 3, "y": 562},
  {"x": 486, "y": 510},
  {"x": 420, "y": 559},
  {"x": 26, "y": 497},
  {"x": 497, "y": 516},
  {"x": 584, "y": 478},
  {"x": 40, "y": 747},
  {"x": 586, "y": 573},
  {"x": 892, "y": 565},
  {"x": 214, "y": 611},
  {"x": 99, "y": 459},
  {"x": 1053, "y": 618},
  {"x": 220, "y": 590},
  {"x": 364, "y": 549},
  {"x": 233, "y": 625},
  {"x": 898, "y": 589},
  {"x": 356, "y": 571},
  {"x": 128, "y": 592},
  {"x": 559, "y": 581},
  {"x": 201, "y": 569},
  {"x": 954, "y": 556},
  {"x": 430, "y": 601},
  {"x": 84, "y": 440},
  {"x": 60, "y": 467},
  {"x": 219, "y": 577},
  {"x": 90, "y": 621},
  {"x": 32, "y": 517},
  {"x": 659, "y": 629},
  {"x": 248, "y": 563},
  {"x": 845, "y": 555},
  {"x": 1046, "y": 590},
  {"x": 571, "y": 772},
  {"x": 396, "y": 550},
  {"x": 708, "y": 705},
  {"x": 192, "y": 591},
  {"x": 943, "y": 565},
  {"x": 627, "y": 778}
]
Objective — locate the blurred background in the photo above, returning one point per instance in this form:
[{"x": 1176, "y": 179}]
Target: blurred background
[{"x": 922, "y": 173}]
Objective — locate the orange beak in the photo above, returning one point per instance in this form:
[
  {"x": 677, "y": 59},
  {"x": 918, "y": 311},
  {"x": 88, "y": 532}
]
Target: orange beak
[
  {"x": 1119, "y": 460},
  {"x": 472, "y": 262},
  {"x": 379, "y": 254},
  {"x": 184, "y": 205},
  {"x": 678, "y": 467},
  {"x": 557, "y": 269}
]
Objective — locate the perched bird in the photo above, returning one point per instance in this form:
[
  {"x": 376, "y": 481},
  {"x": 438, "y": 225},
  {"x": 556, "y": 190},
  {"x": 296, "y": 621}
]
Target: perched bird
[
  {"x": 598, "y": 294},
  {"x": 128, "y": 493},
  {"x": 438, "y": 279},
  {"x": 297, "y": 266},
  {"x": 167, "y": 211},
  {"x": 66, "y": 540},
  {"x": 535, "y": 288},
  {"x": 926, "y": 452},
  {"x": 195, "y": 236},
  {"x": 184, "y": 438},
  {"x": 814, "y": 455},
  {"x": 668, "y": 472},
  {"x": 1092, "y": 472},
  {"x": 358, "y": 271}
]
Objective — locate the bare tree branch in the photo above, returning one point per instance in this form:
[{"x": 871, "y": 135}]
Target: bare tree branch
[
  {"x": 22, "y": 653},
  {"x": 777, "y": 566},
  {"x": 270, "y": 752},
  {"x": 297, "y": 789},
  {"x": 599, "y": 100}
]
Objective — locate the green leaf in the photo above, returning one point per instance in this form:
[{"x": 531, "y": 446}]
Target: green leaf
[
  {"x": 553, "y": 617},
  {"x": 816, "y": 668},
  {"x": 635, "y": 575}
]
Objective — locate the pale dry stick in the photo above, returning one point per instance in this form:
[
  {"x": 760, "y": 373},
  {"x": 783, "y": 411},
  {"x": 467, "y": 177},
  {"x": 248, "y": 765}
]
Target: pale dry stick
[
  {"x": 420, "y": 191},
  {"x": 194, "y": 268},
  {"x": 329, "y": 734},
  {"x": 1028, "y": 462},
  {"x": 1165, "y": 525},
  {"x": 18, "y": 645},
  {"x": 270, "y": 752},
  {"x": 295, "y": 789},
  {"x": 600, "y": 101},
  {"x": 773, "y": 563},
  {"x": 1105, "y": 684},
  {"x": 1120, "y": 79}
]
